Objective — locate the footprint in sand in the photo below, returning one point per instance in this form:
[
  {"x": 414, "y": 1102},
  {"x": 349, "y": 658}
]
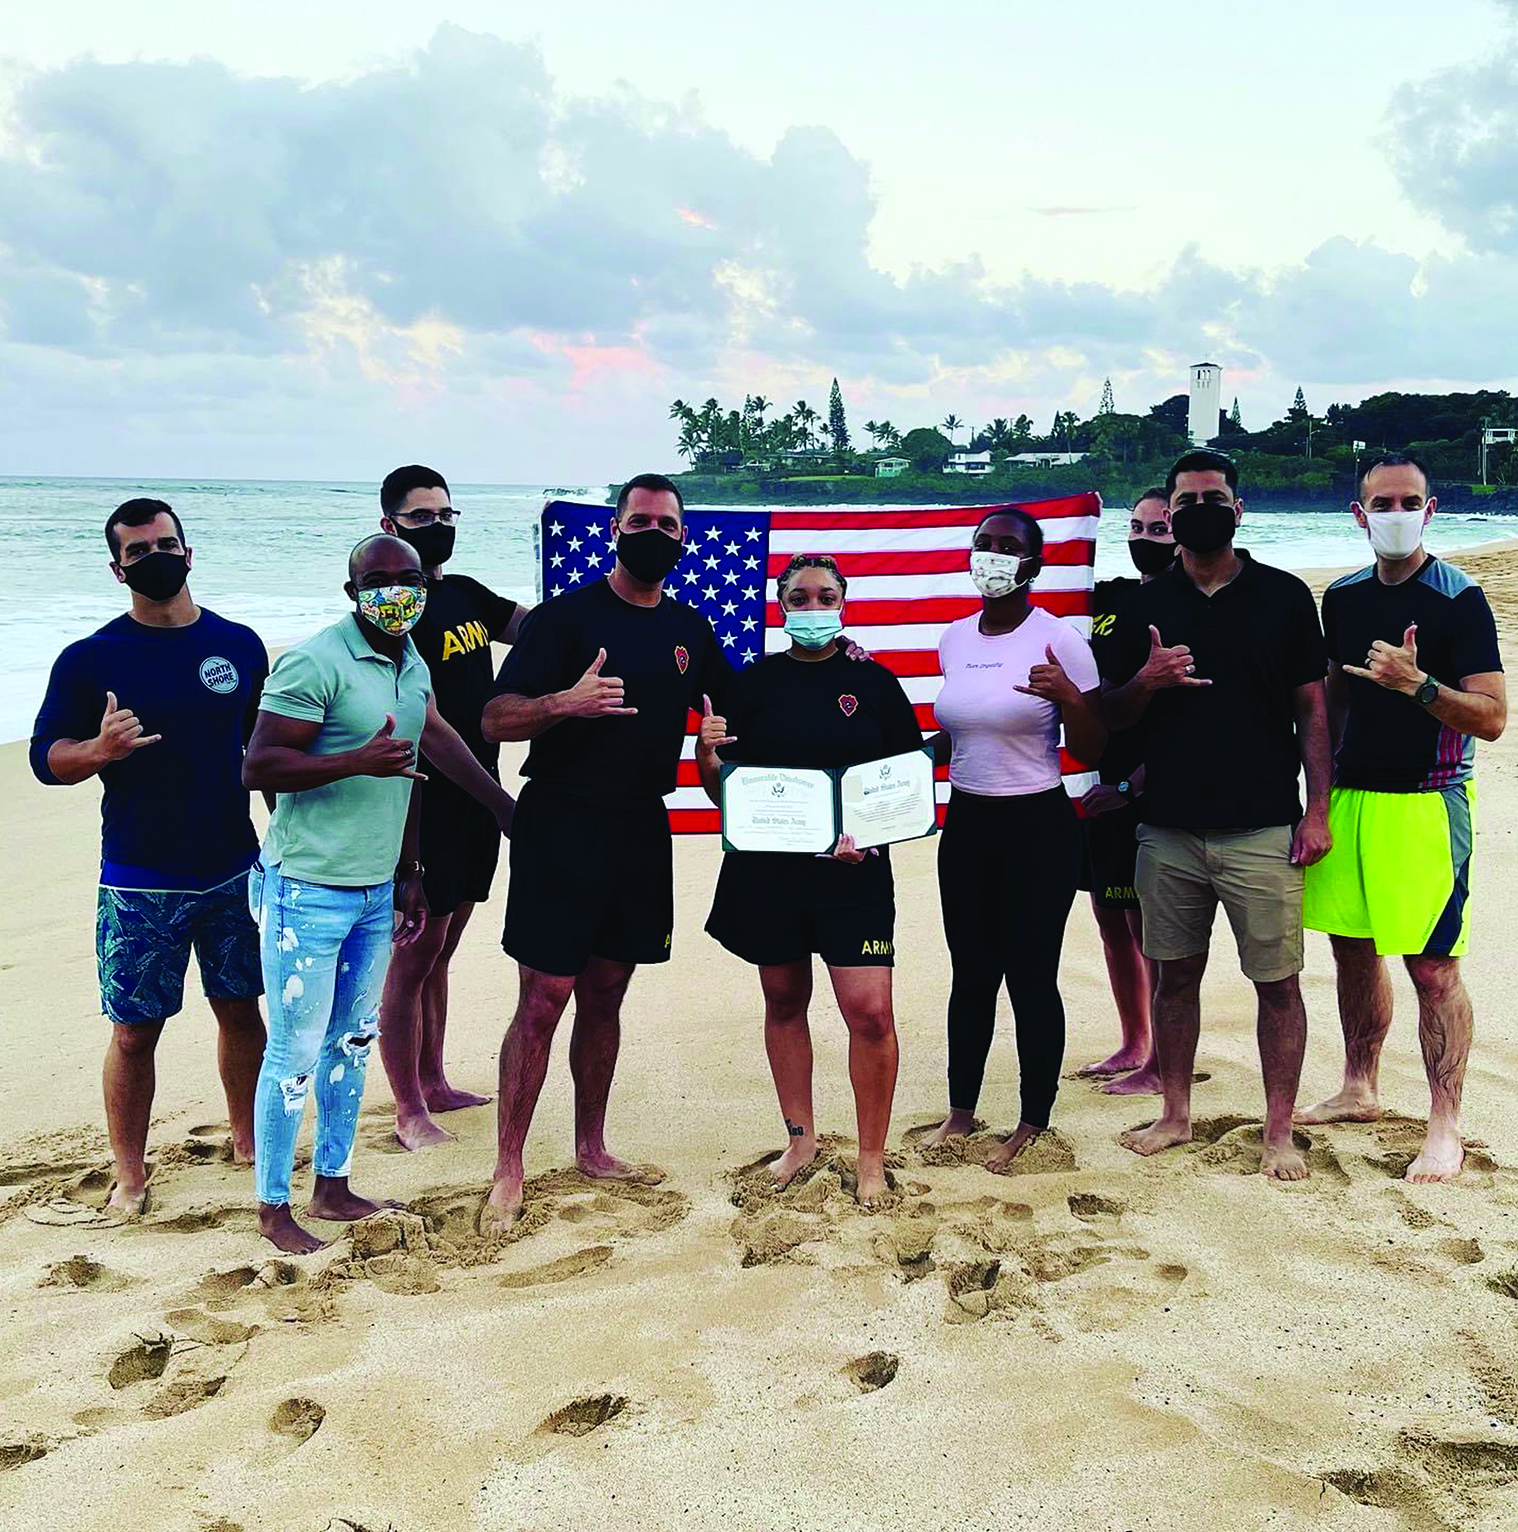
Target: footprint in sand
[
  {"x": 17, "y": 1454},
  {"x": 142, "y": 1362},
  {"x": 582, "y": 1416},
  {"x": 1464, "y": 1252},
  {"x": 297, "y": 1419},
  {"x": 872, "y": 1371},
  {"x": 561, "y": 1270},
  {"x": 1092, "y": 1208},
  {"x": 79, "y": 1271},
  {"x": 1505, "y": 1283},
  {"x": 200, "y": 1220},
  {"x": 1390, "y": 1489}
]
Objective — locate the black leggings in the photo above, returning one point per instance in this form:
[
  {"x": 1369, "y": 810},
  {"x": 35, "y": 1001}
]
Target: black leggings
[{"x": 1007, "y": 869}]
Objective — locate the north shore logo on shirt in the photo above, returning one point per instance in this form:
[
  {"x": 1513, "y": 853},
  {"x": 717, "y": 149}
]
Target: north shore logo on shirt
[
  {"x": 848, "y": 702},
  {"x": 218, "y": 674},
  {"x": 682, "y": 657}
]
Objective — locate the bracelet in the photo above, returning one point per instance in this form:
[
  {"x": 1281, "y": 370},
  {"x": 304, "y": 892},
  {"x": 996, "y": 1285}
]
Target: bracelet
[{"x": 408, "y": 869}]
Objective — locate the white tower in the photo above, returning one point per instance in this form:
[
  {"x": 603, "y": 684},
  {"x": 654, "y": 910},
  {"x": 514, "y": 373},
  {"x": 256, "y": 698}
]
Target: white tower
[{"x": 1206, "y": 401}]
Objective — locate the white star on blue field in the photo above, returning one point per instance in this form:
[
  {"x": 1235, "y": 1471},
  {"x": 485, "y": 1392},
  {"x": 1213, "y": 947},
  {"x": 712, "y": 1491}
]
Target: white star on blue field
[{"x": 722, "y": 571}]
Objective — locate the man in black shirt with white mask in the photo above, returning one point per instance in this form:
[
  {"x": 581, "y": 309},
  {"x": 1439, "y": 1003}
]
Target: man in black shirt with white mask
[
  {"x": 601, "y": 681},
  {"x": 459, "y": 838}
]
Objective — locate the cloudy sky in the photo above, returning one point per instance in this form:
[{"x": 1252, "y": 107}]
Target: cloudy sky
[{"x": 293, "y": 240}]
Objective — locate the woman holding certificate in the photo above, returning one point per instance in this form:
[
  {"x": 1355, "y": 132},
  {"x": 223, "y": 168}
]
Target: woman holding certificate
[
  {"x": 813, "y": 710},
  {"x": 1010, "y": 852}
]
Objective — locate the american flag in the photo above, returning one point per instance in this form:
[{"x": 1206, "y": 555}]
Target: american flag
[{"x": 908, "y": 573}]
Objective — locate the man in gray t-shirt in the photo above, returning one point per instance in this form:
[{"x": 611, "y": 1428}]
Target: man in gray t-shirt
[{"x": 336, "y": 738}]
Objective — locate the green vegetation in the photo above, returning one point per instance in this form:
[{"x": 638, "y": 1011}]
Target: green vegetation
[{"x": 753, "y": 454}]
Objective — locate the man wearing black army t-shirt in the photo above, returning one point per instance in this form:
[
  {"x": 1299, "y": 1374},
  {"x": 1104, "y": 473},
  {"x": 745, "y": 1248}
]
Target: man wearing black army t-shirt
[
  {"x": 459, "y": 839},
  {"x": 601, "y": 681}
]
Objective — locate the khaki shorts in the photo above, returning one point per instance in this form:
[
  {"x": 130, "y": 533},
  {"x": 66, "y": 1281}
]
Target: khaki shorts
[{"x": 1182, "y": 876}]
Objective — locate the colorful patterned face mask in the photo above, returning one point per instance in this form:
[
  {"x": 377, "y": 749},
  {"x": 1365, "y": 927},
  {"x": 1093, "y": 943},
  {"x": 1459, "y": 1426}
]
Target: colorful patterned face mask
[{"x": 393, "y": 609}]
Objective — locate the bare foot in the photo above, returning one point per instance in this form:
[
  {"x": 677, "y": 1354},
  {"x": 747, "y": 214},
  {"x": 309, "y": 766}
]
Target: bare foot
[
  {"x": 503, "y": 1206},
  {"x": 1355, "y": 1103},
  {"x": 1440, "y": 1158},
  {"x": 1142, "y": 1082},
  {"x": 873, "y": 1189},
  {"x": 442, "y": 1097},
  {"x": 277, "y": 1225},
  {"x": 1119, "y": 1063},
  {"x": 602, "y": 1166},
  {"x": 801, "y": 1153},
  {"x": 127, "y": 1201},
  {"x": 1282, "y": 1162},
  {"x": 1164, "y": 1134},
  {"x": 420, "y": 1133},
  {"x": 1011, "y": 1146},
  {"x": 334, "y": 1200},
  {"x": 956, "y": 1125}
]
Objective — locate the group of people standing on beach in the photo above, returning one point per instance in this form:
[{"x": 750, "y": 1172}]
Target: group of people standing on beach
[{"x": 1209, "y": 687}]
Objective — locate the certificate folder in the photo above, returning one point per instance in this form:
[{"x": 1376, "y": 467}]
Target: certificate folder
[{"x": 788, "y": 808}]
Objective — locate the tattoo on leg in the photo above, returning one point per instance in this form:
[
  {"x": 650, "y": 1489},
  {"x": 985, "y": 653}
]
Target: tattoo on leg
[{"x": 794, "y": 1129}]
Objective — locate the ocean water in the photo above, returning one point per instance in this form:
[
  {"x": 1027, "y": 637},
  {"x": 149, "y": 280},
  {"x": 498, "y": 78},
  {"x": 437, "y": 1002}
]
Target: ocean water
[{"x": 274, "y": 555}]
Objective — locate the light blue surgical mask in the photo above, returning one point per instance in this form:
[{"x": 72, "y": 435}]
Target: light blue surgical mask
[{"x": 814, "y": 630}]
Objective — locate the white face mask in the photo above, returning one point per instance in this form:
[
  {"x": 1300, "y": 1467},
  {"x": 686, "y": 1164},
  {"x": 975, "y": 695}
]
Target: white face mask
[
  {"x": 1395, "y": 534},
  {"x": 997, "y": 574}
]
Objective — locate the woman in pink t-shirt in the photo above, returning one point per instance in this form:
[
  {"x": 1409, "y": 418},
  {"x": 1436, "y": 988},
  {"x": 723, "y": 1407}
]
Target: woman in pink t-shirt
[{"x": 1009, "y": 855}]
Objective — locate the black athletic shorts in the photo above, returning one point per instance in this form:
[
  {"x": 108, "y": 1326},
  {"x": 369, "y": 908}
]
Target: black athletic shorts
[
  {"x": 588, "y": 879},
  {"x": 776, "y": 907},
  {"x": 1109, "y": 857},
  {"x": 459, "y": 845}
]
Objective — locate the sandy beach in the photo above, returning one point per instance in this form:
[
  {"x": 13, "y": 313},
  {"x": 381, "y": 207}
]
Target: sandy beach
[{"x": 1097, "y": 1342}]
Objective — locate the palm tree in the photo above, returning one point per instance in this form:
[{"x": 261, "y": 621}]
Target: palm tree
[
  {"x": 889, "y": 434},
  {"x": 806, "y": 417},
  {"x": 872, "y": 430},
  {"x": 951, "y": 424}
]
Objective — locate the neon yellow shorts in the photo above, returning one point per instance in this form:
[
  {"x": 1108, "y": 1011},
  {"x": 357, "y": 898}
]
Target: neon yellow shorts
[{"x": 1399, "y": 871}]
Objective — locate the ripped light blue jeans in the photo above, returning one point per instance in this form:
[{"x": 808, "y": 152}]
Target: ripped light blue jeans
[{"x": 324, "y": 952}]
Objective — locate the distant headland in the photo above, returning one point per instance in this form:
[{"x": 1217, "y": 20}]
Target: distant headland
[{"x": 1301, "y": 462}]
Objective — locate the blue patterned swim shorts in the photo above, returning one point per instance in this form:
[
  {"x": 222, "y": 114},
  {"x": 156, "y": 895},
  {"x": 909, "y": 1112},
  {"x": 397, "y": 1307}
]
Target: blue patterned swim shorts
[{"x": 143, "y": 941}]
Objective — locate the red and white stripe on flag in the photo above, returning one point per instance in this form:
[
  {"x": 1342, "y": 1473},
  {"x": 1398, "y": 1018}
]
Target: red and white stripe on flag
[{"x": 909, "y": 577}]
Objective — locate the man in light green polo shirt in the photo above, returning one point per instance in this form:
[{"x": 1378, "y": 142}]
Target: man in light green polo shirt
[{"x": 336, "y": 739}]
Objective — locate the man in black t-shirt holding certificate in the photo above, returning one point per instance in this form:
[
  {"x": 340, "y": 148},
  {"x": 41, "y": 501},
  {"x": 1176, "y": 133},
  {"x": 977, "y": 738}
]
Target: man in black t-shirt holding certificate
[
  {"x": 601, "y": 681},
  {"x": 459, "y": 839}
]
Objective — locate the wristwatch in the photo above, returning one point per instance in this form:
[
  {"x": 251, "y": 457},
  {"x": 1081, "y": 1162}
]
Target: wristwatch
[
  {"x": 1125, "y": 787},
  {"x": 1428, "y": 692}
]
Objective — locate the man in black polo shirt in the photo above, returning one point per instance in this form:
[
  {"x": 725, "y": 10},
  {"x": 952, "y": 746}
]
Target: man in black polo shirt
[
  {"x": 1227, "y": 661},
  {"x": 460, "y": 839},
  {"x": 1414, "y": 679},
  {"x": 600, "y": 681}
]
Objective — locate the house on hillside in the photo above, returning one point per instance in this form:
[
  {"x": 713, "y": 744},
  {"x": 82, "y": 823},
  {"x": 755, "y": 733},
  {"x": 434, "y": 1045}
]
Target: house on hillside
[
  {"x": 1046, "y": 459},
  {"x": 968, "y": 462},
  {"x": 891, "y": 467},
  {"x": 806, "y": 457}
]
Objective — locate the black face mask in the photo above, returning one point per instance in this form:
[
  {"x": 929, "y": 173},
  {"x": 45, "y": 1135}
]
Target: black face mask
[
  {"x": 1150, "y": 557},
  {"x": 648, "y": 556},
  {"x": 158, "y": 576},
  {"x": 434, "y": 544},
  {"x": 1203, "y": 528}
]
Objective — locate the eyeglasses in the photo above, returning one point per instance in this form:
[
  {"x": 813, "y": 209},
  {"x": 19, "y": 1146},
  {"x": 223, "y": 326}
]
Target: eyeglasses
[{"x": 427, "y": 518}]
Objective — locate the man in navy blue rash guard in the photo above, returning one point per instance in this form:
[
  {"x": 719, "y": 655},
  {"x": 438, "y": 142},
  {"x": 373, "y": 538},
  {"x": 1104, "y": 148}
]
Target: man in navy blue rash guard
[{"x": 159, "y": 704}]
